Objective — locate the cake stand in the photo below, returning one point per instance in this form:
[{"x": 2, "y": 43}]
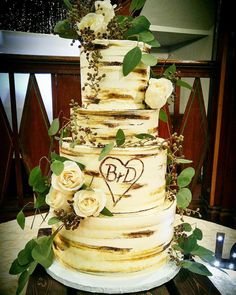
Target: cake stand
[{"x": 112, "y": 284}]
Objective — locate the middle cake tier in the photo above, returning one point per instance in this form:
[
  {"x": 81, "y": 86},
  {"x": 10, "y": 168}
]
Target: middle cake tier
[
  {"x": 96, "y": 126},
  {"x": 133, "y": 179}
]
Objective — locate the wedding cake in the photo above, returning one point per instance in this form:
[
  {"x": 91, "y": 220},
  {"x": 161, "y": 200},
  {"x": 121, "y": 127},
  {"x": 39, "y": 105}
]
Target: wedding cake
[{"x": 129, "y": 180}]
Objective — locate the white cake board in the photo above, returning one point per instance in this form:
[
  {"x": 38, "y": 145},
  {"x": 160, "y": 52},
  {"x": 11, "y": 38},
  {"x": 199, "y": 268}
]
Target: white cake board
[{"x": 112, "y": 284}]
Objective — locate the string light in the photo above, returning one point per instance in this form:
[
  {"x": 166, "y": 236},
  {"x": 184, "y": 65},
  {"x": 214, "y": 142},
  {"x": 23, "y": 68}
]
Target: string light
[{"x": 36, "y": 16}]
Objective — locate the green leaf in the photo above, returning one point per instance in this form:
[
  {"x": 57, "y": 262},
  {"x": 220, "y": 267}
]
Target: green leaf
[
  {"x": 145, "y": 136},
  {"x": 64, "y": 30},
  {"x": 22, "y": 281},
  {"x": 57, "y": 167},
  {"x": 106, "y": 150},
  {"x": 145, "y": 36},
  {"x": 106, "y": 212},
  {"x": 40, "y": 200},
  {"x": 184, "y": 197},
  {"x": 188, "y": 244},
  {"x": 35, "y": 173},
  {"x": 55, "y": 156},
  {"x": 68, "y": 4},
  {"x": 136, "y": 5},
  {"x": 120, "y": 137},
  {"x": 196, "y": 267},
  {"x": 203, "y": 253},
  {"x": 177, "y": 247},
  {"x": 182, "y": 83},
  {"x": 24, "y": 256},
  {"x": 149, "y": 59},
  {"x": 185, "y": 177},
  {"x": 42, "y": 252},
  {"x": 17, "y": 268},
  {"x": 32, "y": 267},
  {"x": 139, "y": 24},
  {"x": 183, "y": 161},
  {"x": 131, "y": 60},
  {"x": 154, "y": 43},
  {"x": 170, "y": 70},
  {"x": 163, "y": 116},
  {"x": 40, "y": 186},
  {"x": 186, "y": 226},
  {"x": 20, "y": 218},
  {"x": 197, "y": 233},
  {"x": 54, "y": 128},
  {"x": 53, "y": 220}
]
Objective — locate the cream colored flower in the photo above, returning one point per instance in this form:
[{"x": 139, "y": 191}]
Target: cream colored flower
[
  {"x": 106, "y": 9},
  {"x": 158, "y": 91},
  {"x": 58, "y": 200},
  {"x": 70, "y": 180},
  {"x": 94, "y": 21},
  {"x": 89, "y": 202}
]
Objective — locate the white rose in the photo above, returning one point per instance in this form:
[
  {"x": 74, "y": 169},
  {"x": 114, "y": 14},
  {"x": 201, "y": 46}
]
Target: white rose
[
  {"x": 106, "y": 9},
  {"x": 94, "y": 21},
  {"x": 89, "y": 202},
  {"x": 58, "y": 200},
  {"x": 158, "y": 92},
  {"x": 70, "y": 180}
]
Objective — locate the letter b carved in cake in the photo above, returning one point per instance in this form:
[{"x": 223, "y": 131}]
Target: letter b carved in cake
[{"x": 120, "y": 177}]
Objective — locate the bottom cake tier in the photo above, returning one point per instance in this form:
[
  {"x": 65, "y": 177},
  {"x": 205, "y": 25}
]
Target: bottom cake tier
[{"x": 123, "y": 243}]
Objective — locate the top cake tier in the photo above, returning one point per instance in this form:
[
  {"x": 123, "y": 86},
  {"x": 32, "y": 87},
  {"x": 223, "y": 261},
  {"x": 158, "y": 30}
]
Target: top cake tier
[{"x": 113, "y": 90}]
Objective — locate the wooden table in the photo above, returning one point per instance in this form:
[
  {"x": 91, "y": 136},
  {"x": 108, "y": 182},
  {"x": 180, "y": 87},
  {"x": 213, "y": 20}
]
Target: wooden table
[{"x": 13, "y": 239}]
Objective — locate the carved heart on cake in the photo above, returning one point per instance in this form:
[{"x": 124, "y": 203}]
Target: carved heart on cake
[{"x": 119, "y": 176}]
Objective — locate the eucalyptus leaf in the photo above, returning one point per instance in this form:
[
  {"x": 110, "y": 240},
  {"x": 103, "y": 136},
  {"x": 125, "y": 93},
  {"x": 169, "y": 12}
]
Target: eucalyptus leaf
[
  {"x": 184, "y": 197},
  {"x": 55, "y": 156},
  {"x": 17, "y": 268},
  {"x": 154, "y": 43},
  {"x": 22, "y": 281},
  {"x": 177, "y": 247},
  {"x": 139, "y": 24},
  {"x": 40, "y": 186},
  {"x": 186, "y": 226},
  {"x": 68, "y": 4},
  {"x": 106, "y": 212},
  {"x": 182, "y": 83},
  {"x": 185, "y": 177},
  {"x": 57, "y": 167},
  {"x": 204, "y": 253},
  {"x": 196, "y": 267},
  {"x": 64, "y": 30},
  {"x": 149, "y": 59},
  {"x": 40, "y": 200},
  {"x": 106, "y": 150},
  {"x": 145, "y": 136},
  {"x": 53, "y": 220},
  {"x": 24, "y": 256},
  {"x": 188, "y": 244},
  {"x": 20, "y": 218},
  {"x": 170, "y": 70},
  {"x": 183, "y": 161},
  {"x": 198, "y": 233},
  {"x": 131, "y": 60},
  {"x": 120, "y": 137},
  {"x": 145, "y": 36},
  {"x": 163, "y": 116},
  {"x": 35, "y": 173},
  {"x": 54, "y": 128},
  {"x": 42, "y": 252},
  {"x": 136, "y": 5},
  {"x": 32, "y": 267}
]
